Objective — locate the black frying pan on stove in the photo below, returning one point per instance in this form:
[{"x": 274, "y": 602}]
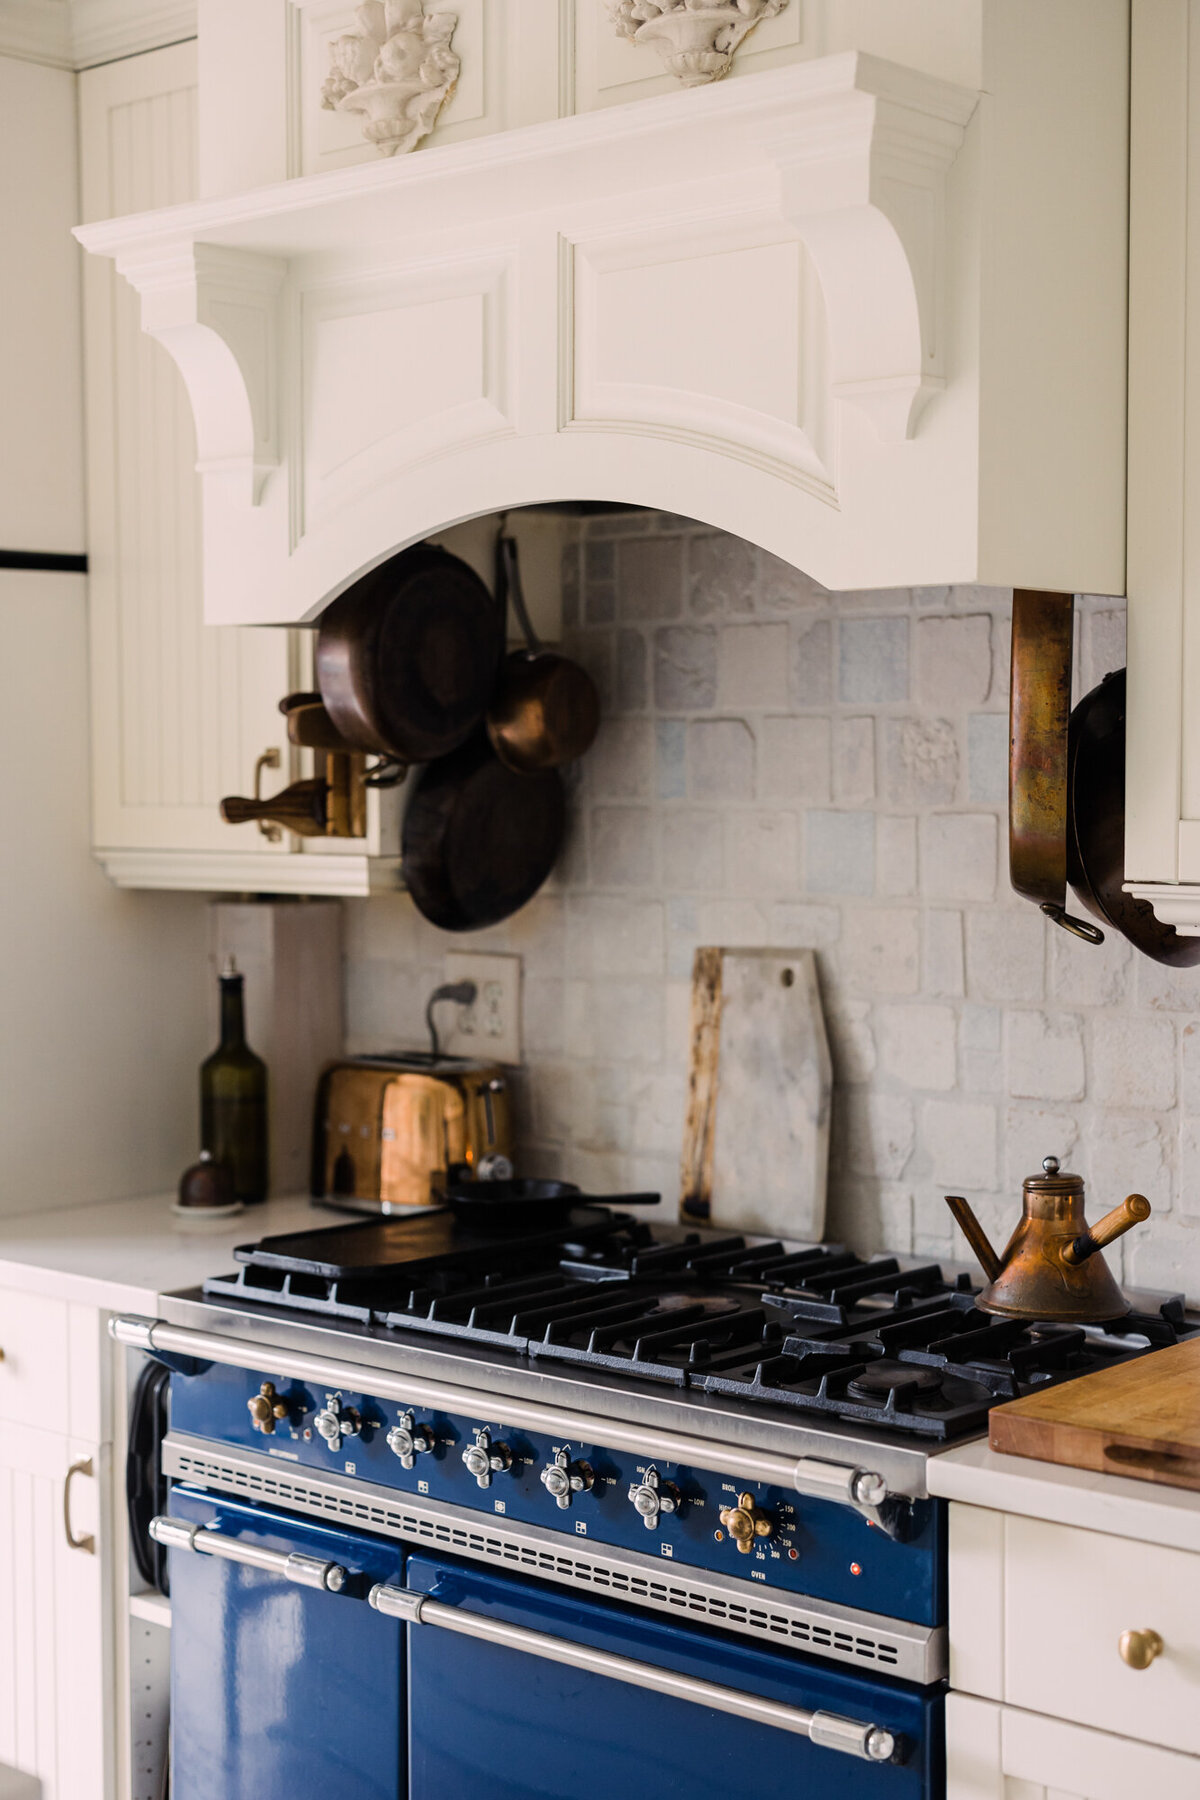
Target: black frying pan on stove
[{"x": 525, "y": 1200}]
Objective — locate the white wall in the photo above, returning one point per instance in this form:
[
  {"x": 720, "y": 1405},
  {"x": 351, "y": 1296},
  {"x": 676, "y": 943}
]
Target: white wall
[{"x": 102, "y": 1020}]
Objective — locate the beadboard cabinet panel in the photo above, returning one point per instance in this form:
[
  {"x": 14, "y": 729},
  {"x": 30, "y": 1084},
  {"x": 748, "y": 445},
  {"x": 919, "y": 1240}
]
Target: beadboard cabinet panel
[{"x": 181, "y": 710}]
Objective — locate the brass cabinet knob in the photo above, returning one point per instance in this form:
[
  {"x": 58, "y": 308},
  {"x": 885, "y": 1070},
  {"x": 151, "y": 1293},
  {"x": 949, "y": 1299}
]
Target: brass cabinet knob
[
  {"x": 1139, "y": 1648},
  {"x": 265, "y": 1408},
  {"x": 745, "y": 1522}
]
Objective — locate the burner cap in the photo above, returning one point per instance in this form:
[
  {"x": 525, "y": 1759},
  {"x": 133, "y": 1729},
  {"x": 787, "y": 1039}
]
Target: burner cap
[
  {"x": 708, "y": 1305},
  {"x": 879, "y": 1380}
]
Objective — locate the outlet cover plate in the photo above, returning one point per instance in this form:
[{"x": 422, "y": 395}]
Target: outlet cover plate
[{"x": 491, "y": 1029}]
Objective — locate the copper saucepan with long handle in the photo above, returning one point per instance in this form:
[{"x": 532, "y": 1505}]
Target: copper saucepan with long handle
[
  {"x": 545, "y": 711},
  {"x": 1039, "y": 715}
]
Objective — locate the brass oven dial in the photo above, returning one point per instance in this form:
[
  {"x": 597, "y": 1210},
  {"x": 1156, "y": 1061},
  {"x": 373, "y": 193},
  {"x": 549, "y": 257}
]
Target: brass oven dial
[
  {"x": 745, "y": 1522},
  {"x": 266, "y": 1408}
]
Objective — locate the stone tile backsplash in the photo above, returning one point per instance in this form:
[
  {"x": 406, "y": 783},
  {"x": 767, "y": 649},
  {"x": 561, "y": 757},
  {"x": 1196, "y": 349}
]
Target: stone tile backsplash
[{"x": 783, "y": 766}]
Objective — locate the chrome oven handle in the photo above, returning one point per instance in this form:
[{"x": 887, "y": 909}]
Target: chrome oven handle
[
  {"x": 873, "y": 1743},
  {"x": 308, "y": 1571}
]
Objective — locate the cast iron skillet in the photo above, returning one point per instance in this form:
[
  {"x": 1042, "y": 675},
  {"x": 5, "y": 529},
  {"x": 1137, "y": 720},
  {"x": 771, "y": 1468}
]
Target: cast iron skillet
[
  {"x": 479, "y": 840},
  {"x": 1096, "y": 827},
  {"x": 407, "y": 657},
  {"x": 502, "y": 1203}
]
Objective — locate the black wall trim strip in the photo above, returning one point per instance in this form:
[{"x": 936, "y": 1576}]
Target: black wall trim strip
[{"x": 49, "y": 560}]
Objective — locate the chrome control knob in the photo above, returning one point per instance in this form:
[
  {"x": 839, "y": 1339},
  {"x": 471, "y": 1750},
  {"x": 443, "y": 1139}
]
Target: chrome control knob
[
  {"x": 408, "y": 1440},
  {"x": 335, "y": 1422},
  {"x": 485, "y": 1459},
  {"x": 653, "y": 1496},
  {"x": 562, "y": 1478},
  {"x": 266, "y": 1408}
]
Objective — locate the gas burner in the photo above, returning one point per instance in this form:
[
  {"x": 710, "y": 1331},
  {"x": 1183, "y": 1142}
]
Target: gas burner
[{"x": 905, "y": 1380}]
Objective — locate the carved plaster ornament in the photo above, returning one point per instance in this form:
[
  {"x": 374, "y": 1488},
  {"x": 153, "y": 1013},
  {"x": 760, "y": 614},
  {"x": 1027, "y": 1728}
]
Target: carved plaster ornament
[
  {"x": 398, "y": 69},
  {"x": 695, "y": 40}
]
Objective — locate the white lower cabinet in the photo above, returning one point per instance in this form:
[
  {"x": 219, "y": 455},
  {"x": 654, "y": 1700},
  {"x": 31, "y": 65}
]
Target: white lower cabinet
[
  {"x": 997, "y": 1752},
  {"x": 55, "y": 1668}
]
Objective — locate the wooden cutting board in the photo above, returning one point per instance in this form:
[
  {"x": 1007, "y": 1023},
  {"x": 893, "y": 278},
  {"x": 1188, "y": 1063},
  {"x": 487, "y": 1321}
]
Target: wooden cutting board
[
  {"x": 1140, "y": 1418},
  {"x": 756, "y": 1135}
]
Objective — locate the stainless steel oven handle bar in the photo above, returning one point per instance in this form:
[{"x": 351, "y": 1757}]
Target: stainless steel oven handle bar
[
  {"x": 864, "y": 1489},
  {"x": 870, "y": 1742},
  {"x": 307, "y": 1571}
]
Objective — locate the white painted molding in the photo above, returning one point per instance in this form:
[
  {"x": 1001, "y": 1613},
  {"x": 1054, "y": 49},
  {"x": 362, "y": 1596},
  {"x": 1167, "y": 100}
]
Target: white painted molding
[
  {"x": 103, "y": 30},
  {"x": 78, "y": 34},
  {"x": 214, "y": 310},
  {"x": 866, "y": 191},
  {"x": 697, "y": 42},
  {"x": 241, "y": 872},
  {"x": 37, "y": 31},
  {"x": 1174, "y": 903},
  {"x": 398, "y": 69}
]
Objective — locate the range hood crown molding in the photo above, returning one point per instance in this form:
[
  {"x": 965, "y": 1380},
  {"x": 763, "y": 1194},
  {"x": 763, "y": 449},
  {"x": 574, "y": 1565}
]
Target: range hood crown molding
[{"x": 526, "y": 266}]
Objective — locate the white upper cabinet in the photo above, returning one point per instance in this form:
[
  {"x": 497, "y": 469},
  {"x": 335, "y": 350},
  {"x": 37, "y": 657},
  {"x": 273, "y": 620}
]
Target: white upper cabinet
[
  {"x": 1162, "y": 844},
  {"x": 863, "y": 302},
  {"x": 181, "y": 711}
]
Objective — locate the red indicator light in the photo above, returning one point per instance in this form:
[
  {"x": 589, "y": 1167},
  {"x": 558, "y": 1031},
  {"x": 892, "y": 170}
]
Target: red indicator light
[
  {"x": 856, "y": 1568},
  {"x": 793, "y": 1555}
]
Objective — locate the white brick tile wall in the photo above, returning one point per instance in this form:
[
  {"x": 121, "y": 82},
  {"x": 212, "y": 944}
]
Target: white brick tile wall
[{"x": 783, "y": 766}]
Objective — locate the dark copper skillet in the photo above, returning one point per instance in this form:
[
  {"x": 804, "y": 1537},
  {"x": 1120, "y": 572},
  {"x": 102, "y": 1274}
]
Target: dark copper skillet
[
  {"x": 1095, "y": 841},
  {"x": 407, "y": 657},
  {"x": 478, "y": 840}
]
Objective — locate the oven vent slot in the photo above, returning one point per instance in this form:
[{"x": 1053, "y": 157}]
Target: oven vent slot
[{"x": 489, "y": 1545}]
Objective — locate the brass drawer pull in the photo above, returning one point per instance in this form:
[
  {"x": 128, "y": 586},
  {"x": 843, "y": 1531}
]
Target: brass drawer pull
[
  {"x": 1139, "y": 1648},
  {"x": 86, "y": 1542}
]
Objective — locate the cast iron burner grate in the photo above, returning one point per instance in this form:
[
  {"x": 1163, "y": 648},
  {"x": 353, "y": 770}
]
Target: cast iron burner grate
[{"x": 818, "y": 1331}]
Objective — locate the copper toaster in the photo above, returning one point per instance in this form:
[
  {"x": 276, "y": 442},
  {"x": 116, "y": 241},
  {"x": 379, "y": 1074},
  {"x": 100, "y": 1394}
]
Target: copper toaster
[{"x": 387, "y": 1129}]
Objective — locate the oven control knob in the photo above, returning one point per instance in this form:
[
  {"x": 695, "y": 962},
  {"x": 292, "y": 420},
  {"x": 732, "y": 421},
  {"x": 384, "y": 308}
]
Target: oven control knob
[
  {"x": 408, "y": 1440},
  {"x": 266, "y": 1408},
  {"x": 745, "y": 1522},
  {"x": 653, "y": 1496},
  {"x": 335, "y": 1422},
  {"x": 485, "y": 1459},
  {"x": 562, "y": 1478}
]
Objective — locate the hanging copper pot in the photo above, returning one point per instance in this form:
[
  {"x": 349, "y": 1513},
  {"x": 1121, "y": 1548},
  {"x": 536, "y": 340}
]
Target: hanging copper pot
[{"x": 545, "y": 711}]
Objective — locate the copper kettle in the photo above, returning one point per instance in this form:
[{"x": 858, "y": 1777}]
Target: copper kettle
[{"x": 1051, "y": 1268}]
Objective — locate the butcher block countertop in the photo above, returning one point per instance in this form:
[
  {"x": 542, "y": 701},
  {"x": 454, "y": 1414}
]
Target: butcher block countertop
[{"x": 1042, "y": 1490}]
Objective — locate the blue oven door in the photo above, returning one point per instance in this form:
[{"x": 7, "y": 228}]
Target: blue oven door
[
  {"x": 516, "y": 1715},
  {"x": 281, "y": 1688}
]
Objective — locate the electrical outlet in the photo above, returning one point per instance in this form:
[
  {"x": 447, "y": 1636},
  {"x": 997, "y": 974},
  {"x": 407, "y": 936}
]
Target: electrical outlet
[{"x": 490, "y": 1029}]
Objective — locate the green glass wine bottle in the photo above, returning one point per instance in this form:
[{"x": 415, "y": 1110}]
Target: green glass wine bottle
[{"x": 233, "y": 1097}]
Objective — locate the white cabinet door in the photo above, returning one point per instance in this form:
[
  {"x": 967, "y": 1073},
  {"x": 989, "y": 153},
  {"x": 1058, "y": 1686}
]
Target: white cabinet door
[
  {"x": 998, "y": 1753},
  {"x": 55, "y": 1676},
  {"x": 180, "y": 710}
]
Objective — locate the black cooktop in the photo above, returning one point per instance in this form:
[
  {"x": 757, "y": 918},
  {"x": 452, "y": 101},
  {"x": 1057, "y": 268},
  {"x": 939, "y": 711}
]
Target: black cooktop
[{"x": 886, "y": 1342}]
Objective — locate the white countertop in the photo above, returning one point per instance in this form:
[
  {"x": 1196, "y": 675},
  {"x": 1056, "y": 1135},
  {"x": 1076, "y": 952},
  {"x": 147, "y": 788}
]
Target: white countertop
[
  {"x": 122, "y": 1254},
  {"x": 1040, "y": 1490}
]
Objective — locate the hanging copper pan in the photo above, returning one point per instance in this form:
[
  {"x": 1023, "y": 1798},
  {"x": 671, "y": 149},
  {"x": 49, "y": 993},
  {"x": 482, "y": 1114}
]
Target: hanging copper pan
[
  {"x": 545, "y": 711},
  {"x": 1095, "y": 842},
  {"x": 407, "y": 657},
  {"x": 1039, "y": 716},
  {"x": 479, "y": 840}
]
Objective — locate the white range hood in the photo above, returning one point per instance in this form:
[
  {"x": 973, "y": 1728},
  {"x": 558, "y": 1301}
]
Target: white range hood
[{"x": 867, "y": 318}]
